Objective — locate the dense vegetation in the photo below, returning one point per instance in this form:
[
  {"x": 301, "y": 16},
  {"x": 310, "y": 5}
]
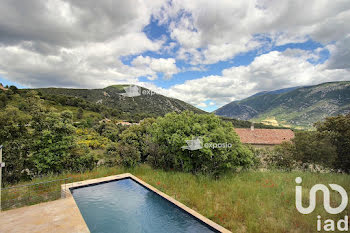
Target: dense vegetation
[
  {"x": 148, "y": 103},
  {"x": 296, "y": 106},
  {"x": 46, "y": 133},
  {"x": 160, "y": 142},
  {"x": 37, "y": 139},
  {"x": 327, "y": 148},
  {"x": 247, "y": 124},
  {"x": 170, "y": 133}
]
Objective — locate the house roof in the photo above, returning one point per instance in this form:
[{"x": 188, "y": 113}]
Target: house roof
[
  {"x": 264, "y": 136},
  {"x": 3, "y": 88},
  {"x": 127, "y": 123}
]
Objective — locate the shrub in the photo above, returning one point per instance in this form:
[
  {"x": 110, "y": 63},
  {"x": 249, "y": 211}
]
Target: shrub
[
  {"x": 80, "y": 159},
  {"x": 55, "y": 148},
  {"x": 282, "y": 157},
  {"x": 139, "y": 137},
  {"x": 314, "y": 148},
  {"x": 128, "y": 154},
  {"x": 110, "y": 131},
  {"x": 91, "y": 139},
  {"x": 170, "y": 133},
  {"x": 338, "y": 130},
  {"x": 307, "y": 149},
  {"x": 111, "y": 155}
]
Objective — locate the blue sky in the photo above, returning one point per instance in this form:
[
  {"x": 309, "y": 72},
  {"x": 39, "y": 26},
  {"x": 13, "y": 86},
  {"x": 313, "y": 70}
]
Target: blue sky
[{"x": 203, "y": 53}]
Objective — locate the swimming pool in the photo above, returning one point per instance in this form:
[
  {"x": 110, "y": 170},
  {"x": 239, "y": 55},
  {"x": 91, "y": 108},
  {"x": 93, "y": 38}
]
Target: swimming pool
[{"x": 126, "y": 206}]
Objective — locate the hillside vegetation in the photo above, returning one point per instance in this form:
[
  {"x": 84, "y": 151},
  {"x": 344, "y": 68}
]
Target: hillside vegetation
[
  {"x": 47, "y": 133},
  {"x": 297, "y": 107},
  {"x": 147, "y": 103},
  {"x": 111, "y": 102}
]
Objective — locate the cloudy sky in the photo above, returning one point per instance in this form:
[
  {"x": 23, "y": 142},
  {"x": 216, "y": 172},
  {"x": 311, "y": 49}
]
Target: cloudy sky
[{"x": 204, "y": 52}]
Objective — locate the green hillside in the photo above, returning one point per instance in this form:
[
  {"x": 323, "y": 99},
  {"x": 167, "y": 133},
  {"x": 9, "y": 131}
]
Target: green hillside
[
  {"x": 300, "y": 107},
  {"x": 114, "y": 103},
  {"x": 147, "y": 103}
]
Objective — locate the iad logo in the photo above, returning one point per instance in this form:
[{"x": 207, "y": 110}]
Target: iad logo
[
  {"x": 329, "y": 224},
  {"x": 326, "y": 198}
]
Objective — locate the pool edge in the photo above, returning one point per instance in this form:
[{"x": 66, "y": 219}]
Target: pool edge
[{"x": 66, "y": 192}]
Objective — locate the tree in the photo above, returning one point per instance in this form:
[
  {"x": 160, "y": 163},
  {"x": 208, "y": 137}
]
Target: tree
[
  {"x": 13, "y": 124},
  {"x": 338, "y": 129},
  {"x": 3, "y": 99},
  {"x": 128, "y": 154},
  {"x": 51, "y": 148},
  {"x": 80, "y": 113},
  {"x": 314, "y": 147},
  {"x": 170, "y": 133},
  {"x": 55, "y": 148},
  {"x": 110, "y": 130},
  {"x": 138, "y": 136},
  {"x": 14, "y": 89},
  {"x": 15, "y": 137},
  {"x": 111, "y": 155}
]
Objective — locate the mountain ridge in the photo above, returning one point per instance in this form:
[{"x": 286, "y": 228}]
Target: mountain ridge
[
  {"x": 115, "y": 96},
  {"x": 300, "y": 107}
]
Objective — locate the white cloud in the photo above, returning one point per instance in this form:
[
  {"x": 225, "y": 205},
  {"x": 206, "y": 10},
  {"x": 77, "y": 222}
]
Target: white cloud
[
  {"x": 340, "y": 54},
  {"x": 202, "y": 105},
  {"x": 154, "y": 65},
  {"x": 271, "y": 71},
  {"x": 212, "y": 31},
  {"x": 73, "y": 43}
]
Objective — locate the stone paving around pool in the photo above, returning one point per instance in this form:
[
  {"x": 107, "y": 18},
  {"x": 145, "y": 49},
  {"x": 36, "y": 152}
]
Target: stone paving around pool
[{"x": 60, "y": 216}]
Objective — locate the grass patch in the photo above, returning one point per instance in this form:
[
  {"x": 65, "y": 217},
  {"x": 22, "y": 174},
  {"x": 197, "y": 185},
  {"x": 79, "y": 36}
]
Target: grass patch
[{"x": 249, "y": 201}]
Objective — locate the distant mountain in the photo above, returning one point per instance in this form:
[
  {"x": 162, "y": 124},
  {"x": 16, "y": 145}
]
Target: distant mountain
[
  {"x": 296, "y": 107},
  {"x": 279, "y": 91},
  {"x": 127, "y": 99}
]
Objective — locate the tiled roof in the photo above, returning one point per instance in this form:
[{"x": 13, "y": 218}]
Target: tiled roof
[
  {"x": 3, "y": 88},
  {"x": 265, "y": 136},
  {"x": 127, "y": 123}
]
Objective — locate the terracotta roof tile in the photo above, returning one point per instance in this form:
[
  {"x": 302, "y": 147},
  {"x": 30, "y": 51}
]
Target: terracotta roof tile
[
  {"x": 3, "y": 88},
  {"x": 265, "y": 136}
]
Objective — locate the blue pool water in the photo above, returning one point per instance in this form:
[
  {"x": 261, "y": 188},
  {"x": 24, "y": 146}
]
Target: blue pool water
[{"x": 126, "y": 206}]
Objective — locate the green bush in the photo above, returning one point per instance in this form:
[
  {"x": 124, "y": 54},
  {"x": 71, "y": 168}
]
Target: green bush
[
  {"x": 139, "y": 137},
  {"x": 111, "y": 155},
  {"x": 170, "y": 133},
  {"x": 307, "y": 148},
  {"x": 338, "y": 130},
  {"x": 314, "y": 147},
  {"x": 91, "y": 138},
  {"x": 55, "y": 149},
  {"x": 128, "y": 154},
  {"x": 282, "y": 157},
  {"x": 110, "y": 131},
  {"x": 80, "y": 159}
]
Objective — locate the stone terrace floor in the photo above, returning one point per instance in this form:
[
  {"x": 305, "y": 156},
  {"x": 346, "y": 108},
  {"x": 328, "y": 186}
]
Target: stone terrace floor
[{"x": 60, "y": 216}]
